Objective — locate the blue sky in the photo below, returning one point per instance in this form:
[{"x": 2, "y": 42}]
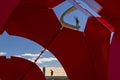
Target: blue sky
[
  {"x": 25, "y": 48},
  {"x": 70, "y": 17},
  {"x": 22, "y": 47}
]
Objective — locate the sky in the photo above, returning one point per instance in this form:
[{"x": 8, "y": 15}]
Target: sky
[{"x": 25, "y": 48}]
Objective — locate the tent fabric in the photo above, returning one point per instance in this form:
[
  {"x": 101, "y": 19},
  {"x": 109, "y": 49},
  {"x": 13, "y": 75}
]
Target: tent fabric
[
  {"x": 53, "y": 3},
  {"x": 70, "y": 49},
  {"x": 34, "y": 3},
  {"x": 98, "y": 42},
  {"x": 6, "y": 8},
  {"x": 39, "y": 25},
  {"x": 114, "y": 59},
  {"x": 14, "y": 68},
  {"x": 40, "y": 3},
  {"x": 23, "y": 22},
  {"x": 83, "y": 55},
  {"x": 109, "y": 12},
  {"x": 30, "y": 21}
]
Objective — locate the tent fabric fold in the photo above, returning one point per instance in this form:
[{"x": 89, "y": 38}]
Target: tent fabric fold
[
  {"x": 53, "y": 3},
  {"x": 40, "y": 3},
  {"x": 109, "y": 12},
  {"x": 6, "y": 8},
  {"x": 98, "y": 42},
  {"x": 36, "y": 24},
  {"x": 29, "y": 20},
  {"x": 13, "y": 69},
  {"x": 114, "y": 58},
  {"x": 70, "y": 49}
]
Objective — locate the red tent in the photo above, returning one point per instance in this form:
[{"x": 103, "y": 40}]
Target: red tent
[{"x": 84, "y": 55}]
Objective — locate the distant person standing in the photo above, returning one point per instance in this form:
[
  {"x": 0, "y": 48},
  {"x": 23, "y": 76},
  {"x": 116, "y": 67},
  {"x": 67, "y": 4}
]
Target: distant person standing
[
  {"x": 51, "y": 72},
  {"x": 77, "y": 22},
  {"x": 44, "y": 70}
]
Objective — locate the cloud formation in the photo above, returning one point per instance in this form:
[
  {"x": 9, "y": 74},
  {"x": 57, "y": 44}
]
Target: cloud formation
[
  {"x": 28, "y": 55},
  {"x": 2, "y": 53},
  {"x": 41, "y": 60},
  {"x": 50, "y": 59}
]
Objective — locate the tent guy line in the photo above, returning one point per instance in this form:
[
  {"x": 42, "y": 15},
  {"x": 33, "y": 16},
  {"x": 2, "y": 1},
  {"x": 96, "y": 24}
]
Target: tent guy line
[{"x": 42, "y": 52}]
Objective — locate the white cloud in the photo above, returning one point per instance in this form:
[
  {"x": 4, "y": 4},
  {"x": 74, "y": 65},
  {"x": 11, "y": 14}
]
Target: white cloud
[
  {"x": 18, "y": 55},
  {"x": 50, "y": 59},
  {"x": 47, "y": 50},
  {"x": 43, "y": 60},
  {"x": 28, "y": 55},
  {"x": 2, "y": 53}
]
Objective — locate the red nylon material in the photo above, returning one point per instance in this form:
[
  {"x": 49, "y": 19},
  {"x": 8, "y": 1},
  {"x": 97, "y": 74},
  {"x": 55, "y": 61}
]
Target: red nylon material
[
  {"x": 6, "y": 8},
  {"x": 39, "y": 25},
  {"x": 13, "y": 69},
  {"x": 98, "y": 42},
  {"x": 70, "y": 48},
  {"x": 114, "y": 59},
  {"x": 111, "y": 11},
  {"x": 53, "y": 3},
  {"x": 105, "y": 23},
  {"x": 34, "y": 3},
  {"x": 40, "y": 3}
]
